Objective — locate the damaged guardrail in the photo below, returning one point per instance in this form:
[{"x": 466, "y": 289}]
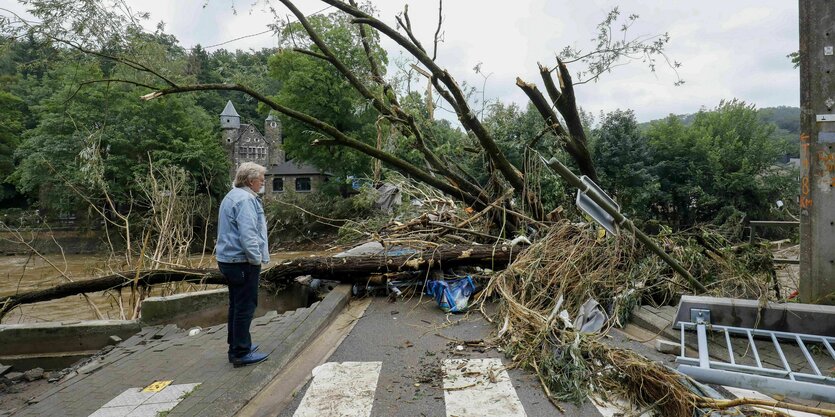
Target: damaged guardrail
[{"x": 784, "y": 382}]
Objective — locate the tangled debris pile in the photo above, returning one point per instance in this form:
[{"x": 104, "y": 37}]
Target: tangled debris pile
[
  {"x": 549, "y": 281},
  {"x": 546, "y": 286}
]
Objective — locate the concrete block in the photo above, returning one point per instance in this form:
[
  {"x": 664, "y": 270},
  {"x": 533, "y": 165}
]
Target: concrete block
[
  {"x": 14, "y": 376},
  {"x": 665, "y": 346},
  {"x": 68, "y": 377},
  {"x": 788, "y": 317},
  {"x": 90, "y": 367},
  {"x": 33, "y": 374},
  {"x": 648, "y": 320},
  {"x": 158, "y": 310},
  {"x": 52, "y": 337}
]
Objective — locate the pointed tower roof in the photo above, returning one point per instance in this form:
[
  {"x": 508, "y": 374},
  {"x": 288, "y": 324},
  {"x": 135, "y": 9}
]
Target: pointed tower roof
[
  {"x": 270, "y": 117},
  {"x": 229, "y": 110}
]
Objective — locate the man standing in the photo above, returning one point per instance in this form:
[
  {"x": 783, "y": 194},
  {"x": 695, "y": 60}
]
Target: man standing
[{"x": 241, "y": 249}]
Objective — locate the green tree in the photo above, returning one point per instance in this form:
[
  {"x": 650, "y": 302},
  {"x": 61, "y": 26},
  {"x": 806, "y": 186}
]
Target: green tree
[
  {"x": 624, "y": 162},
  {"x": 312, "y": 85},
  {"x": 101, "y": 132},
  {"x": 723, "y": 163},
  {"x": 12, "y": 119}
]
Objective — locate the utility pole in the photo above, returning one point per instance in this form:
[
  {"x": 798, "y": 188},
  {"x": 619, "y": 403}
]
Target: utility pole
[{"x": 817, "y": 151}]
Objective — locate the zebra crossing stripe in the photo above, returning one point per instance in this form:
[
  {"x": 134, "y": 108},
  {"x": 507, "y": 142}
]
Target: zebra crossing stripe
[
  {"x": 341, "y": 389},
  {"x": 747, "y": 393},
  {"x": 616, "y": 407},
  {"x": 479, "y": 388}
]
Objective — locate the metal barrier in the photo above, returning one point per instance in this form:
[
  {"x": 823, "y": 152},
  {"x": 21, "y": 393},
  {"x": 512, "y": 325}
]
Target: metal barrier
[{"x": 813, "y": 386}]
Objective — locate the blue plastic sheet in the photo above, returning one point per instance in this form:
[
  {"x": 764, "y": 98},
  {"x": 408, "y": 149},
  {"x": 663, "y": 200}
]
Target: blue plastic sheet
[{"x": 452, "y": 296}]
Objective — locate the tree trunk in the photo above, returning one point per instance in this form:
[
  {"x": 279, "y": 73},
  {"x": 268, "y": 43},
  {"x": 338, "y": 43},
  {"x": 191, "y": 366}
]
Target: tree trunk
[{"x": 346, "y": 269}]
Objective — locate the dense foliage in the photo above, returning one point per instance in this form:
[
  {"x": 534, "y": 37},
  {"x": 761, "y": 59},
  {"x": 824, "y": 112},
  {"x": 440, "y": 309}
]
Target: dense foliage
[
  {"x": 65, "y": 135},
  {"x": 313, "y": 86},
  {"x": 721, "y": 165}
]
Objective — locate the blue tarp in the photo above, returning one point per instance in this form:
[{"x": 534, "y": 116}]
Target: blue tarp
[{"x": 453, "y": 295}]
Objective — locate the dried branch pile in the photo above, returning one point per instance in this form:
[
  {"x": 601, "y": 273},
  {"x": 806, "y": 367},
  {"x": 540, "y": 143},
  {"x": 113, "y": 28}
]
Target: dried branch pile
[{"x": 543, "y": 289}]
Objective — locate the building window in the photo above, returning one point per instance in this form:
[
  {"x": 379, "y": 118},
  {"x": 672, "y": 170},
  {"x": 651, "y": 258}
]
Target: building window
[
  {"x": 303, "y": 184},
  {"x": 278, "y": 185}
]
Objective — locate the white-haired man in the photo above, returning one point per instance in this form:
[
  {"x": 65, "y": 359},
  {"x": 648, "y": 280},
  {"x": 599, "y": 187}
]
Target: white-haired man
[{"x": 241, "y": 249}]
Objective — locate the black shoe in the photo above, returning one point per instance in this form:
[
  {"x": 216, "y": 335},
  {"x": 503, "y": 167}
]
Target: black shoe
[
  {"x": 249, "y": 359},
  {"x": 252, "y": 348}
]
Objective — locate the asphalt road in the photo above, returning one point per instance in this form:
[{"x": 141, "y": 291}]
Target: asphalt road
[{"x": 412, "y": 338}]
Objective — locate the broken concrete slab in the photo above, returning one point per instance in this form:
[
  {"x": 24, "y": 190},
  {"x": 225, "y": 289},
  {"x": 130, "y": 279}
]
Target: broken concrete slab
[
  {"x": 14, "y": 376},
  {"x": 55, "y": 345},
  {"x": 33, "y": 374},
  {"x": 665, "y": 346},
  {"x": 158, "y": 310},
  {"x": 90, "y": 367}
]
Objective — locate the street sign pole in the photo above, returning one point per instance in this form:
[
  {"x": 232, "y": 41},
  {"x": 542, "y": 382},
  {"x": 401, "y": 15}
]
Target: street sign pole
[
  {"x": 817, "y": 151},
  {"x": 607, "y": 205}
]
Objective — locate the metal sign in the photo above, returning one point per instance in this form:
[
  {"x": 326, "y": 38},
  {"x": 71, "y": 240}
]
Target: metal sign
[{"x": 588, "y": 206}]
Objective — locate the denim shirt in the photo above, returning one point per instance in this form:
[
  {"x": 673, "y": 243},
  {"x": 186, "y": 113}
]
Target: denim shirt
[{"x": 242, "y": 229}]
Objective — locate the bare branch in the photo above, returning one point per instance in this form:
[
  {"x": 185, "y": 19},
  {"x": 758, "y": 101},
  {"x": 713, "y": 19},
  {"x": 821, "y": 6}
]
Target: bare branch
[
  {"x": 438, "y": 31},
  {"x": 396, "y": 113},
  {"x": 366, "y": 46},
  {"x": 455, "y": 97},
  {"x": 574, "y": 145},
  {"x": 313, "y": 54},
  {"x": 122, "y": 60}
]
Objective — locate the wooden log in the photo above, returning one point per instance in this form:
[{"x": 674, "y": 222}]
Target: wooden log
[
  {"x": 110, "y": 282},
  {"x": 351, "y": 269},
  {"x": 344, "y": 269}
]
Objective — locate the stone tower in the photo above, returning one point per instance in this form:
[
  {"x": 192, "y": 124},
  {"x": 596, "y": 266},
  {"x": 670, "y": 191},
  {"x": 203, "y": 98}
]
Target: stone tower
[
  {"x": 230, "y": 123},
  {"x": 272, "y": 132}
]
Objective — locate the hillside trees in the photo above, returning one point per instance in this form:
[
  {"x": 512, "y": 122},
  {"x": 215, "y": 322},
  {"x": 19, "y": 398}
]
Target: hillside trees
[
  {"x": 93, "y": 137},
  {"x": 721, "y": 165},
  {"x": 11, "y": 127}
]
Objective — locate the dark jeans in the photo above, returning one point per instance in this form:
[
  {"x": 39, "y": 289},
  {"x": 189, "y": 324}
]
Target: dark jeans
[{"x": 243, "y": 298}]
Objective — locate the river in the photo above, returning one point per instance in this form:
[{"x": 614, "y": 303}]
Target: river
[{"x": 25, "y": 273}]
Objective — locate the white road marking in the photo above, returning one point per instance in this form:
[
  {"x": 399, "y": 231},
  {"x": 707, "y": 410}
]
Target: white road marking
[
  {"x": 479, "y": 388},
  {"x": 617, "y": 407},
  {"x": 341, "y": 389},
  {"x": 747, "y": 393},
  {"x": 135, "y": 403}
]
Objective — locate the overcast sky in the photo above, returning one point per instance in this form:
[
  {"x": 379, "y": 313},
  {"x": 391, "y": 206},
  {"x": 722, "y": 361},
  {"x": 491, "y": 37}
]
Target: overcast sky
[{"x": 728, "y": 49}]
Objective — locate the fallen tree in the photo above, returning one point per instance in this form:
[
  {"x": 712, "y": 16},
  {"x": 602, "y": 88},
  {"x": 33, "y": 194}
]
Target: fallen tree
[{"x": 345, "y": 269}]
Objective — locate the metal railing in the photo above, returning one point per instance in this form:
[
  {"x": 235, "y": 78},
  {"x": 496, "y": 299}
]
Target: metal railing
[{"x": 785, "y": 381}]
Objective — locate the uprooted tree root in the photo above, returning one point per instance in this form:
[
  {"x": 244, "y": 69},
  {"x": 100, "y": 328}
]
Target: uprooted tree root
[{"x": 543, "y": 289}]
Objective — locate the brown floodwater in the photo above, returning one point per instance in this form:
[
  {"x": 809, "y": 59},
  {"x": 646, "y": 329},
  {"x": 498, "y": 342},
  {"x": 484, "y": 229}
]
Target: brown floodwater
[{"x": 25, "y": 273}]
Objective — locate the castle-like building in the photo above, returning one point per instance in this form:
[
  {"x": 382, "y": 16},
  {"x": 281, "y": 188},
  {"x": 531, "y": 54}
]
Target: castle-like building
[{"x": 245, "y": 143}]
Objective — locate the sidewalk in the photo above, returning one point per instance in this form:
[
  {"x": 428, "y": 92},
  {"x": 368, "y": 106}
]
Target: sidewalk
[{"x": 203, "y": 383}]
